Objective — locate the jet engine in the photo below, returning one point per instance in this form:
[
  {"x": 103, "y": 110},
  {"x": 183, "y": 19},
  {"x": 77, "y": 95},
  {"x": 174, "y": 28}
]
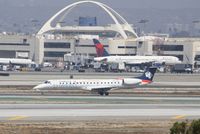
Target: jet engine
[{"x": 130, "y": 81}]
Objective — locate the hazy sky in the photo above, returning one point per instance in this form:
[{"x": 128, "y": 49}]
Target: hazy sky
[
  {"x": 160, "y": 13},
  {"x": 167, "y": 4}
]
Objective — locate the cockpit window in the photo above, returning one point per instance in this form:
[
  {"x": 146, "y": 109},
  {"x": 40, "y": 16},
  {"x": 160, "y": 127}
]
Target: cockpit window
[{"x": 47, "y": 82}]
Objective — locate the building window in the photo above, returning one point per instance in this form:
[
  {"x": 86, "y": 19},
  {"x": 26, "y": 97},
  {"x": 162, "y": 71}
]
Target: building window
[
  {"x": 90, "y": 46},
  {"x": 167, "y": 47},
  {"x": 7, "y": 54},
  {"x": 140, "y": 42},
  {"x": 133, "y": 47},
  {"x": 56, "y": 45},
  {"x": 197, "y": 58},
  {"x": 24, "y": 41},
  {"x": 87, "y": 21},
  {"x": 54, "y": 54},
  {"x": 14, "y": 44}
]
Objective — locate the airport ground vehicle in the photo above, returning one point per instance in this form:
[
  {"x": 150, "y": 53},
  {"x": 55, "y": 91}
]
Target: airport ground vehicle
[
  {"x": 182, "y": 68},
  {"x": 100, "y": 67},
  {"x": 116, "y": 67}
]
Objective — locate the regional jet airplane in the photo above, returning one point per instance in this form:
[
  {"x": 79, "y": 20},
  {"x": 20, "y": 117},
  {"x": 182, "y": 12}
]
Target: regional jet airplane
[
  {"x": 103, "y": 55},
  {"x": 100, "y": 86}
]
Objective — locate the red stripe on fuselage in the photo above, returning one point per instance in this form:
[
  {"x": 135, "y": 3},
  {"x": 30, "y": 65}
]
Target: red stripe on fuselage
[{"x": 146, "y": 81}]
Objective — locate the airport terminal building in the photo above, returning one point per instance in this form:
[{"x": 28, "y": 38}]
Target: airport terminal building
[
  {"x": 52, "y": 48},
  {"x": 52, "y": 43}
]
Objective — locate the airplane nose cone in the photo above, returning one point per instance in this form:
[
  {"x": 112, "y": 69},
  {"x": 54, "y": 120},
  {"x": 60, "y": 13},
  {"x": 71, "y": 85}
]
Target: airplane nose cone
[
  {"x": 178, "y": 62},
  {"x": 38, "y": 87}
]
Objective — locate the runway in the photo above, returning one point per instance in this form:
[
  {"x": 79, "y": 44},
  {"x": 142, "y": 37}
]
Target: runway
[
  {"x": 57, "y": 108},
  {"x": 127, "y": 106}
]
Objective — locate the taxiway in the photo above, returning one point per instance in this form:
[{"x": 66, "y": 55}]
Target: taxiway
[{"x": 64, "y": 108}]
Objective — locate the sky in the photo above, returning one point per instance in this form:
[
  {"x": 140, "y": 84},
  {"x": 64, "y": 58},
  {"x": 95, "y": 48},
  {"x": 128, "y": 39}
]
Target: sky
[
  {"x": 18, "y": 15},
  {"x": 164, "y": 4}
]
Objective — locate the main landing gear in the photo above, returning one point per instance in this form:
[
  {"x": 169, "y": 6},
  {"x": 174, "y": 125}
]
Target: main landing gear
[{"x": 102, "y": 93}]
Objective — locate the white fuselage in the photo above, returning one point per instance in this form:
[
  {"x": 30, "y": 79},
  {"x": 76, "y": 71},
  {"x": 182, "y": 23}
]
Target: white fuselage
[
  {"x": 89, "y": 84},
  {"x": 15, "y": 61},
  {"x": 139, "y": 59}
]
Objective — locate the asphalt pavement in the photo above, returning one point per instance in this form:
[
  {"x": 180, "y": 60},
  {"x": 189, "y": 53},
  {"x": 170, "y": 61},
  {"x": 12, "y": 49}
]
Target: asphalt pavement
[{"x": 98, "y": 108}]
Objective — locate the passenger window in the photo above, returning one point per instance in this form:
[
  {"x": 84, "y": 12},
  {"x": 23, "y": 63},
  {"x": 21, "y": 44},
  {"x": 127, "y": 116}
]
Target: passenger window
[{"x": 47, "y": 82}]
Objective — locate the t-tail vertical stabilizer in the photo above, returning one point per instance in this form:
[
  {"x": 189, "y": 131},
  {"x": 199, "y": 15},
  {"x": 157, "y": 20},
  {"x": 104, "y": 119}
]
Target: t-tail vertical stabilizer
[{"x": 148, "y": 75}]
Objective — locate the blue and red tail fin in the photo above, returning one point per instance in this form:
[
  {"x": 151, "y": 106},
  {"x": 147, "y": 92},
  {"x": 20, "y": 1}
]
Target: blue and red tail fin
[
  {"x": 101, "y": 52},
  {"x": 147, "y": 76}
]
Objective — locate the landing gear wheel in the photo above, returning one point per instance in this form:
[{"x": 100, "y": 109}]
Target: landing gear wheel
[
  {"x": 106, "y": 93},
  {"x": 101, "y": 93}
]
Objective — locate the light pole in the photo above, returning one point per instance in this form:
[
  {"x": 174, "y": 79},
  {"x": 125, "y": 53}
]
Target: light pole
[
  {"x": 75, "y": 53},
  {"x": 76, "y": 42},
  {"x": 195, "y": 22},
  {"x": 77, "y": 21},
  {"x": 143, "y": 21},
  {"x": 35, "y": 24}
]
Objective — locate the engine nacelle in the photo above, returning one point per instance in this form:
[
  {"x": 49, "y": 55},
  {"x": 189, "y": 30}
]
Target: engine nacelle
[
  {"x": 101, "y": 59},
  {"x": 130, "y": 81}
]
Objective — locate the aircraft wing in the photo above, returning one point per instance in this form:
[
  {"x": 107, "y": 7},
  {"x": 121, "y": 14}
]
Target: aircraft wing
[
  {"x": 139, "y": 61},
  {"x": 97, "y": 88}
]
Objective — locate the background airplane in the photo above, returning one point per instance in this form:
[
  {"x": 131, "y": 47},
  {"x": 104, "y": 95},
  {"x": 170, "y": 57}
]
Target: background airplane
[
  {"x": 103, "y": 55},
  {"x": 101, "y": 86},
  {"x": 16, "y": 61}
]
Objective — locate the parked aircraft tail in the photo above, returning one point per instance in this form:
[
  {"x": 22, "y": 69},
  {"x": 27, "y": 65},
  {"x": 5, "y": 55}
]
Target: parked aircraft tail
[{"x": 100, "y": 50}]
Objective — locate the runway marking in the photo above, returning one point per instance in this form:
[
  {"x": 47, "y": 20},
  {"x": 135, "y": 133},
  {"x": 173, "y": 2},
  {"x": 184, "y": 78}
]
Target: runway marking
[
  {"x": 17, "y": 118},
  {"x": 178, "y": 117}
]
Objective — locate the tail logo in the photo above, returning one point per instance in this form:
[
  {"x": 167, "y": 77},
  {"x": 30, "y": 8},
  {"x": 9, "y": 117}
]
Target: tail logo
[
  {"x": 148, "y": 75},
  {"x": 99, "y": 49}
]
